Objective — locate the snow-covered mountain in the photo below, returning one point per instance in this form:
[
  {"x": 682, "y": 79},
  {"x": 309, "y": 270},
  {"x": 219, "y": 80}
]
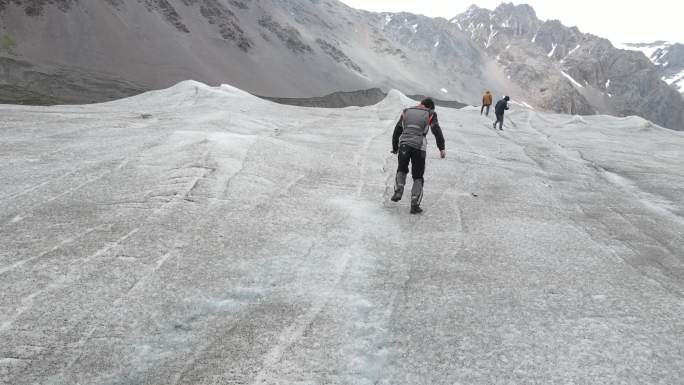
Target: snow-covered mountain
[
  {"x": 201, "y": 235},
  {"x": 304, "y": 48},
  {"x": 563, "y": 69},
  {"x": 669, "y": 57}
]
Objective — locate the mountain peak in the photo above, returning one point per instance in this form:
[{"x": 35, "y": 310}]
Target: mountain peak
[{"x": 519, "y": 10}]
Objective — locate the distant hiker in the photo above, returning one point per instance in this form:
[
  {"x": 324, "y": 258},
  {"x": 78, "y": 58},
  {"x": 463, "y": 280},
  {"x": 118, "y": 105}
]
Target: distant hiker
[
  {"x": 499, "y": 109},
  {"x": 410, "y": 142},
  {"x": 486, "y": 103}
]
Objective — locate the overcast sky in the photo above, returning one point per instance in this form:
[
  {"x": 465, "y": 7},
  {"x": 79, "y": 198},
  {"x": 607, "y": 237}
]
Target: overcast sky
[{"x": 621, "y": 21}]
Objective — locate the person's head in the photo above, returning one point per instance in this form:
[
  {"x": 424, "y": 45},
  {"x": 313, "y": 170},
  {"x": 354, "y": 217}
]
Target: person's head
[
  {"x": 506, "y": 98},
  {"x": 487, "y": 92},
  {"x": 428, "y": 103}
]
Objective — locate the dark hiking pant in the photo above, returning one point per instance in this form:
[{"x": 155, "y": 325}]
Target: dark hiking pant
[
  {"x": 499, "y": 120},
  {"x": 416, "y": 158},
  {"x": 413, "y": 156},
  {"x": 483, "y": 108}
]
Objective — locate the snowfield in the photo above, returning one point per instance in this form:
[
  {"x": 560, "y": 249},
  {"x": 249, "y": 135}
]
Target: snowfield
[{"x": 200, "y": 235}]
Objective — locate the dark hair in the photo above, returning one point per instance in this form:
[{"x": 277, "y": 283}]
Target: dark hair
[
  {"x": 429, "y": 103},
  {"x": 507, "y": 98}
]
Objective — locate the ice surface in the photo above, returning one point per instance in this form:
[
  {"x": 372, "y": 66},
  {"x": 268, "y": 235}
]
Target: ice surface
[{"x": 225, "y": 239}]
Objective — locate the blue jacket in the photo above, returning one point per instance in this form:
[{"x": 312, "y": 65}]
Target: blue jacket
[{"x": 501, "y": 106}]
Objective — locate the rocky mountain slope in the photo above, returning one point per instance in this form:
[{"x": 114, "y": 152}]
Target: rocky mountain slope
[
  {"x": 563, "y": 69},
  {"x": 669, "y": 57},
  {"x": 290, "y": 48},
  {"x": 304, "y": 48}
]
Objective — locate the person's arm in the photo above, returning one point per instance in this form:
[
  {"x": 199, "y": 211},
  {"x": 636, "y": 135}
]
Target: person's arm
[
  {"x": 506, "y": 105},
  {"x": 398, "y": 129},
  {"x": 437, "y": 132}
]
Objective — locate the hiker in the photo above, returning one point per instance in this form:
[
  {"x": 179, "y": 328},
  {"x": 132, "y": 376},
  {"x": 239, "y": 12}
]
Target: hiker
[
  {"x": 499, "y": 109},
  {"x": 410, "y": 142},
  {"x": 486, "y": 103}
]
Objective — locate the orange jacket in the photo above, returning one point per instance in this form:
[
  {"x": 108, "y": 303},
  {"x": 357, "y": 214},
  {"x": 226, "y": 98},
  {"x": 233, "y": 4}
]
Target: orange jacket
[{"x": 487, "y": 99}]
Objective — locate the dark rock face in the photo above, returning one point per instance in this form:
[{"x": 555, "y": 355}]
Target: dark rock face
[
  {"x": 287, "y": 34},
  {"x": 24, "y": 83},
  {"x": 359, "y": 98},
  {"x": 213, "y": 10},
  {"x": 225, "y": 20},
  {"x": 168, "y": 12},
  {"x": 35, "y": 7},
  {"x": 338, "y": 55},
  {"x": 439, "y": 102}
]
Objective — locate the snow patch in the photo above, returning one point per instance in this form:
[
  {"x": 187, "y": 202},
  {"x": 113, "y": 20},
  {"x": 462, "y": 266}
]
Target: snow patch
[
  {"x": 388, "y": 19},
  {"x": 572, "y": 80},
  {"x": 437, "y": 44},
  {"x": 534, "y": 38},
  {"x": 445, "y": 90},
  {"x": 492, "y": 35},
  {"x": 414, "y": 27},
  {"x": 573, "y": 50},
  {"x": 553, "y": 50},
  {"x": 608, "y": 84}
]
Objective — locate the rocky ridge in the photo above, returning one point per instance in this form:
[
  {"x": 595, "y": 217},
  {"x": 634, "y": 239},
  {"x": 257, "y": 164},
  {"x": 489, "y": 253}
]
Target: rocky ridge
[{"x": 566, "y": 70}]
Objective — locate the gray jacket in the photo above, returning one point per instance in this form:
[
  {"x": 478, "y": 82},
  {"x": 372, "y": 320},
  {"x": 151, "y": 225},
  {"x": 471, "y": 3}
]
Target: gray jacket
[{"x": 413, "y": 126}]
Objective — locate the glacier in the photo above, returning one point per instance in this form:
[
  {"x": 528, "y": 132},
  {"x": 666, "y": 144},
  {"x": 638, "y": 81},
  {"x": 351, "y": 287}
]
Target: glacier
[{"x": 200, "y": 235}]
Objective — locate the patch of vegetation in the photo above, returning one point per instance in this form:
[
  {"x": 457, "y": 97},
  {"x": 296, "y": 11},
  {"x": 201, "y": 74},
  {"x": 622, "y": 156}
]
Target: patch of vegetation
[{"x": 7, "y": 44}]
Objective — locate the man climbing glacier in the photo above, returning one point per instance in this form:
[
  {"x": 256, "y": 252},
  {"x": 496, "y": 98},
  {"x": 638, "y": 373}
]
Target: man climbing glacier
[
  {"x": 410, "y": 142},
  {"x": 499, "y": 110}
]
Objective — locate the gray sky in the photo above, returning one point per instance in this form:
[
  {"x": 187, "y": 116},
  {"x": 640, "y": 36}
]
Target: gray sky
[{"x": 621, "y": 21}]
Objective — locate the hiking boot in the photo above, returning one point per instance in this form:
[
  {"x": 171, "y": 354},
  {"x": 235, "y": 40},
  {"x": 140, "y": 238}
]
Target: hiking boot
[
  {"x": 399, "y": 183},
  {"x": 415, "y": 209},
  {"x": 397, "y": 195}
]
